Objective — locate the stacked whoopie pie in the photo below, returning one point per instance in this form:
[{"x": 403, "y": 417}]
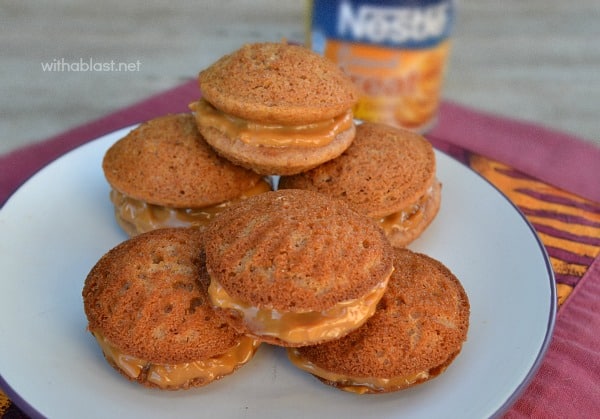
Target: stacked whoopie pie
[{"x": 218, "y": 262}]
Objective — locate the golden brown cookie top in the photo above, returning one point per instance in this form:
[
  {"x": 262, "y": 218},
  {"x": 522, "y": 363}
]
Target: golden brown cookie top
[
  {"x": 296, "y": 251},
  {"x": 148, "y": 297},
  {"x": 277, "y": 83},
  {"x": 420, "y": 325},
  {"x": 383, "y": 171},
  {"x": 165, "y": 161}
]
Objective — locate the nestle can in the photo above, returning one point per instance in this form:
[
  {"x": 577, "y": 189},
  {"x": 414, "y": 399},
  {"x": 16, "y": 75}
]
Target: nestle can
[{"x": 395, "y": 51}]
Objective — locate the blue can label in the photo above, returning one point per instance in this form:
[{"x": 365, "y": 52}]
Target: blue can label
[{"x": 399, "y": 24}]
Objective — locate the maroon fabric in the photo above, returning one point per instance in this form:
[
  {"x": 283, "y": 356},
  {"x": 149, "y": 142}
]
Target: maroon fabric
[
  {"x": 553, "y": 157},
  {"x": 567, "y": 385}
]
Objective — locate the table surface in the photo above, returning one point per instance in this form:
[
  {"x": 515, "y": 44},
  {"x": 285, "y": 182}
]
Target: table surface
[{"x": 536, "y": 60}]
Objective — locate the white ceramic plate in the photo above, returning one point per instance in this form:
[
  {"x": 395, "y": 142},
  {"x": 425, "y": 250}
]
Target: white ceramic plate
[{"x": 55, "y": 228}]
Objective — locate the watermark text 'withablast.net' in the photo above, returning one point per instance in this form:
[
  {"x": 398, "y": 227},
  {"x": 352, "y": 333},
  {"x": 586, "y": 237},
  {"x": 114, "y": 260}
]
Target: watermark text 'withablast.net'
[{"x": 90, "y": 65}]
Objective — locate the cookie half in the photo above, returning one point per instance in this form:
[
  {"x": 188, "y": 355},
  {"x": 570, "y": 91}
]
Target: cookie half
[
  {"x": 388, "y": 174},
  {"x": 296, "y": 267},
  {"x": 418, "y": 329},
  {"x": 146, "y": 302},
  {"x": 163, "y": 174}
]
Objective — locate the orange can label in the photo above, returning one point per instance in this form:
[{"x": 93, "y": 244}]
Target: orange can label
[{"x": 395, "y": 51}]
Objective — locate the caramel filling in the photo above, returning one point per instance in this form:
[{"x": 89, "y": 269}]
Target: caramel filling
[
  {"x": 179, "y": 375},
  {"x": 137, "y": 216},
  {"x": 410, "y": 216},
  {"x": 317, "y": 134},
  {"x": 302, "y": 327},
  {"x": 354, "y": 384}
]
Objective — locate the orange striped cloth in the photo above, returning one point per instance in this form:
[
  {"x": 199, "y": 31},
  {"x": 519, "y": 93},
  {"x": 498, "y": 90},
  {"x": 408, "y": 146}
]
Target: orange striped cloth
[
  {"x": 569, "y": 226},
  {"x": 567, "y": 223}
]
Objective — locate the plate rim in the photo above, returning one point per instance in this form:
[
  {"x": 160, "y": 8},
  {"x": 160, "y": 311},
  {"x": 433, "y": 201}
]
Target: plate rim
[
  {"x": 30, "y": 410},
  {"x": 553, "y": 309}
]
